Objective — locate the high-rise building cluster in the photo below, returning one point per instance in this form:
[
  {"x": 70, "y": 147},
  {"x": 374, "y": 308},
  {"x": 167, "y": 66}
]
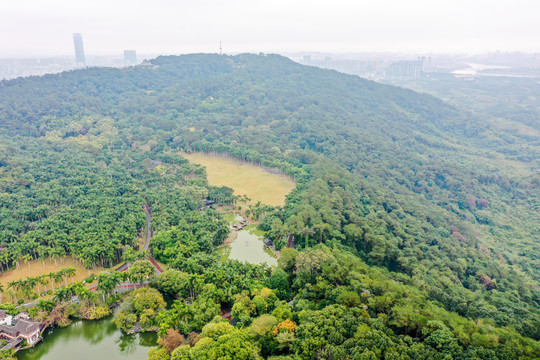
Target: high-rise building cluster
[{"x": 130, "y": 56}]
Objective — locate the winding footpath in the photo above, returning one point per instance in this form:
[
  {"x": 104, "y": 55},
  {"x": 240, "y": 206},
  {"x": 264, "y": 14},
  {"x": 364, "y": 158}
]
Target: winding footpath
[
  {"x": 125, "y": 266},
  {"x": 149, "y": 232},
  {"x": 146, "y": 245}
]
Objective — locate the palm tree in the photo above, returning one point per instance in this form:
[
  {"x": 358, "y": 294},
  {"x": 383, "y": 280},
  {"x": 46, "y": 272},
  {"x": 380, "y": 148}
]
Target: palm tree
[
  {"x": 23, "y": 286},
  {"x": 1, "y": 291},
  {"x": 107, "y": 281},
  {"x": 51, "y": 277},
  {"x": 12, "y": 294},
  {"x": 54, "y": 254},
  {"x": 44, "y": 281},
  {"x": 50, "y": 253},
  {"x": 115, "y": 279},
  {"x": 31, "y": 282},
  {"x": 141, "y": 270},
  {"x": 27, "y": 258},
  {"x": 46, "y": 305},
  {"x": 124, "y": 276},
  {"x": 61, "y": 294},
  {"x": 19, "y": 284},
  {"x": 63, "y": 273},
  {"x": 61, "y": 254},
  {"x": 58, "y": 276},
  {"x": 16, "y": 257},
  {"x": 42, "y": 251},
  {"x": 194, "y": 283},
  {"x": 86, "y": 295},
  {"x": 14, "y": 286},
  {"x": 182, "y": 311},
  {"x": 4, "y": 258},
  {"x": 129, "y": 255},
  {"x": 70, "y": 272},
  {"x": 11, "y": 284}
]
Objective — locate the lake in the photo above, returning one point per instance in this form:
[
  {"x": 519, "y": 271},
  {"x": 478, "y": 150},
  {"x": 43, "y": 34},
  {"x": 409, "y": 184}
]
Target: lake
[
  {"x": 90, "y": 340},
  {"x": 249, "y": 247}
]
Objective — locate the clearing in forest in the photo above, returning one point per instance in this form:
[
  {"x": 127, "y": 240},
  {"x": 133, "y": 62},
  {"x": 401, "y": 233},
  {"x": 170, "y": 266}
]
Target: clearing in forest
[
  {"x": 36, "y": 269},
  {"x": 250, "y": 180}
]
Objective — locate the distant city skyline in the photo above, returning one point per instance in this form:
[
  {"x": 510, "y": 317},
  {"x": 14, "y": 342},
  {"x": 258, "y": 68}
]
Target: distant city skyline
[
  {"x": 32, "y": 28},
  {"x": 79, "y": 49}
]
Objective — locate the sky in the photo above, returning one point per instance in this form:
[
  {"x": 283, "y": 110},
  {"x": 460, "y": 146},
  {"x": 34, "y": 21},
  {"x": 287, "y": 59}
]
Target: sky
[{"x": 40, "y": 28}]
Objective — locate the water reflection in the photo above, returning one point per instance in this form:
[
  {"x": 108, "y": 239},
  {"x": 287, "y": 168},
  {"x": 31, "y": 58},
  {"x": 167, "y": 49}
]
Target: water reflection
[
  {"x": 249, "y": 247},
  {"x": 148, "y": 340},
  {"x": 89, "y": 340},
  {"x": 127, "y": 344}
]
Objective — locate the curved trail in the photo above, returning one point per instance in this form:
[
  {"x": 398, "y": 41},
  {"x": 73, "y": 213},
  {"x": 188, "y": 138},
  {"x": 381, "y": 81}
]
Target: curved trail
[
  {"x": 148, "y": 228},
  {"x": 149, "y": 234},
  {"x": 125, "y": 266}
]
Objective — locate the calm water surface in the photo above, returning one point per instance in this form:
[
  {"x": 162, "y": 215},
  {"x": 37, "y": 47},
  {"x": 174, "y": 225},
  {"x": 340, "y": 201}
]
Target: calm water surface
[
  {"x": 90, "y": 340},
  {"x": 249, "y": 246},
  {"x": 101, "y": 340}
]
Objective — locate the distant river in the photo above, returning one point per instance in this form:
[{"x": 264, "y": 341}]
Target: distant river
[{"x": 90, "y": 340}]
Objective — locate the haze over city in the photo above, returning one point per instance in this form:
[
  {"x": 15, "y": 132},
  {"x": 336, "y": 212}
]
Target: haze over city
[
  {"x": 33, "y": 28},
  {"x": 270, "y": 180}
]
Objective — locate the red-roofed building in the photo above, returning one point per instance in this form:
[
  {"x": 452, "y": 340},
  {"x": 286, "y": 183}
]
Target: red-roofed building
[{"x": 20, "y": 328}]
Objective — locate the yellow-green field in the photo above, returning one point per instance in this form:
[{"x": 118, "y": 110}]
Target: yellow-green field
[
  {"x": 36, "y": 268},
  {"x": 245, "y": 179}
]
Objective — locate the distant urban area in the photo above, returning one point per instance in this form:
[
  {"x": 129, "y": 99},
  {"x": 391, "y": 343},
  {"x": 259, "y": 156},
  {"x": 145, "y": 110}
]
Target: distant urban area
[
  {"x": 11, "y": 68},
  {"x": 389, "y": 66},
  {"x": 384, "y": 67}
]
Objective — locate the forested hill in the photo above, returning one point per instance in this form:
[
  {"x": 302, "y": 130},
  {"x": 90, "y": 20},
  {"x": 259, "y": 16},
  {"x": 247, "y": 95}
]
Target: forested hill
[
  {"x": 204, "y": 76},
  {"x": 401, "y": 179}
]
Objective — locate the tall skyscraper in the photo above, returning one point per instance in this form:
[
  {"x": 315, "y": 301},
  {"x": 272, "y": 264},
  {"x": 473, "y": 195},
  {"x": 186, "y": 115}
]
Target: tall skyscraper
[
  {"x": 130, "y": 57},
  {"x": 79, "y": 50}
]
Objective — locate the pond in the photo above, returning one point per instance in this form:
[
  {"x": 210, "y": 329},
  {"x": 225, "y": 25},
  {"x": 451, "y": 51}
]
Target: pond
[
  {"x": 89, "y": 340},
  {"x": 249, "y": 247}
]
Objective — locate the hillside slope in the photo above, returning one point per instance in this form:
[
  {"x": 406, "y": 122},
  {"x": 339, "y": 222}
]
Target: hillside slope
[{"x": 387, "y": 173}]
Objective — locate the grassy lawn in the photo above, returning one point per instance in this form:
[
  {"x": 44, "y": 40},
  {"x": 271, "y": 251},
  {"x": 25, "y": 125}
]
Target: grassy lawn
[
  {"x": 245, "y": 179},
  {"x": 229, "y": 216},
  {"x": 36, "y": 269}
]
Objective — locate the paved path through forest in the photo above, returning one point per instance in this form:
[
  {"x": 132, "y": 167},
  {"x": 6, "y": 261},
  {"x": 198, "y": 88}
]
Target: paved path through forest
[
  {"x": 149, "y": 234},
  {"x": 123, "y": 267},
  {"x": 148, "y": 227}
]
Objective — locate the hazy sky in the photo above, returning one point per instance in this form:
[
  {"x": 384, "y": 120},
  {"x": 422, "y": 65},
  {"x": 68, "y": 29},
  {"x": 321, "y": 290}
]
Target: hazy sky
[{"x": 45, "y": 27}]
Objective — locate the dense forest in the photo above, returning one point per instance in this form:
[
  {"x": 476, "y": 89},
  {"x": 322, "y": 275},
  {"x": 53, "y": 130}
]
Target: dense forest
[{"x": 417, "y": 234}]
